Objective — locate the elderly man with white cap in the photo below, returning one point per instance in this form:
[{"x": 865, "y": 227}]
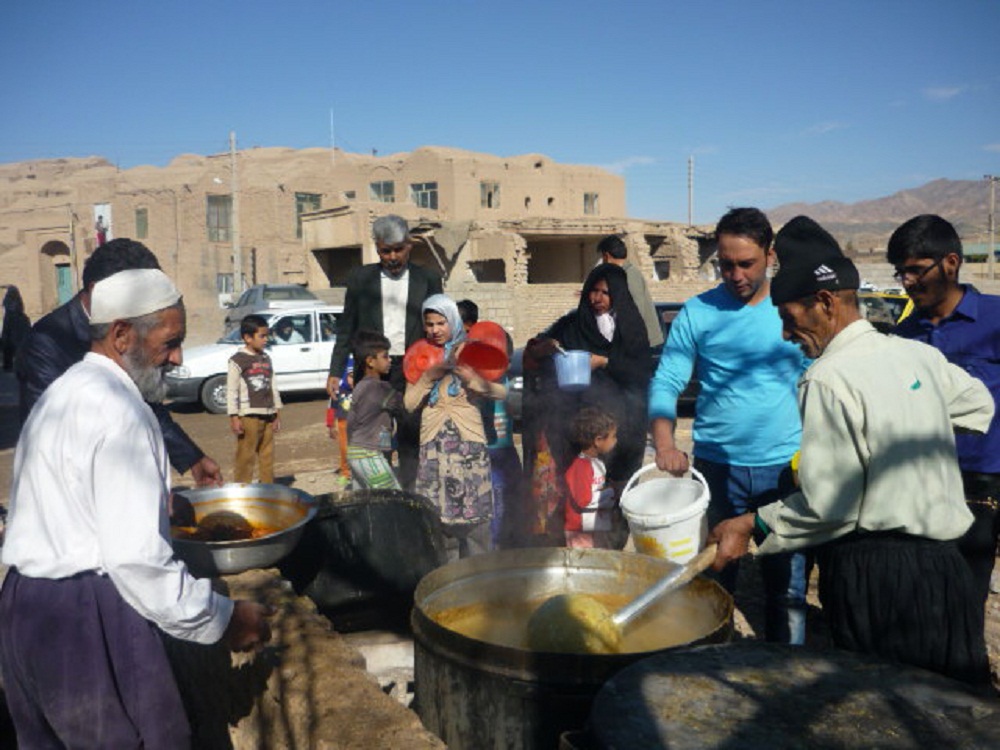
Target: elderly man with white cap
[
  {"x": 880, "y": 495},
  {"x": 92, "y": 575}
]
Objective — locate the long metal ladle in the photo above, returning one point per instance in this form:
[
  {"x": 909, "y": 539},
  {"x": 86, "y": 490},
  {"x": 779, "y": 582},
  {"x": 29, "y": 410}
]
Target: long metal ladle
[{"x": 578, "y": 623}]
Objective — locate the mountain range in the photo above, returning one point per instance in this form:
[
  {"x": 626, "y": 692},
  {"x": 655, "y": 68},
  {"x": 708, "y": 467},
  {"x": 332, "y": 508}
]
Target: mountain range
[{"x": 865, "y": 226}]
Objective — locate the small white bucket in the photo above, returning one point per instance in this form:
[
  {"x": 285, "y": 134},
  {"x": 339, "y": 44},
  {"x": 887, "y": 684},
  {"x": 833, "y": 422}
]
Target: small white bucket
[
  {"x": 573, "y": 370},
  {"x": 667, "y": 516}
]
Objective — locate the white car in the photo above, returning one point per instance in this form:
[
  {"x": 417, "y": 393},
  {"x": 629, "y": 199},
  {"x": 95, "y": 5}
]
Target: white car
[
  {"x": 265, "y": 298},
  {"x": 299, "y": 366}
]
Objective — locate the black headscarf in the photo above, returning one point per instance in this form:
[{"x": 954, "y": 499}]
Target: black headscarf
[
  {"x": 628, "y": 350},
  {"x": 620, "y": 387}
]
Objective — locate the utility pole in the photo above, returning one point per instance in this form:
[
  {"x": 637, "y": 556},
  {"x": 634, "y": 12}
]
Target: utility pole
[
  {"x": 76, "y": 283},
  {"x": 992, "y": 259},
  {"x": 235, "y": 188},
  {"x": 690, "y": 191},
  {"x": 333, "y": 144}
]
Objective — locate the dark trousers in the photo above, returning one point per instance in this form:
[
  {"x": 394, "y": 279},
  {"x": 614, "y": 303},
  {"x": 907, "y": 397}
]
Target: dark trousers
[
  {"x": 82, "y": 669},
  {"x": 979, "y": 544},
  {"x": 407, "y": 432},
  {"x": 905, "y": 599},
  {"x": 736, "y": 490}
]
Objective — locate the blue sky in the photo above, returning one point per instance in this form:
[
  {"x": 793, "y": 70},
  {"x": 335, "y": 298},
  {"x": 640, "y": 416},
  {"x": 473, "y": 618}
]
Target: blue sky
[{"x": 776, "y": 101}]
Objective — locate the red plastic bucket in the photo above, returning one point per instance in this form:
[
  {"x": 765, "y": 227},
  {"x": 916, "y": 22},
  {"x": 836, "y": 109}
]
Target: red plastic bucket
[
  {"x": 421, "y": 355},
  {"x": 485, "y": 351}
]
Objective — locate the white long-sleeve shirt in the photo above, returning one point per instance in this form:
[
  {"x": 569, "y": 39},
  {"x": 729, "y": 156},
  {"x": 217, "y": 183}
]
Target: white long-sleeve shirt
[
  {"x": 878, "y": 443},
  {"x": 90, "y": 490}
]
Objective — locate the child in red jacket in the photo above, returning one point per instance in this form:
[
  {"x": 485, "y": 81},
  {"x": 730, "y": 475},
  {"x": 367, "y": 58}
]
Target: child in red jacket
[{"x": 590, "y": 501}]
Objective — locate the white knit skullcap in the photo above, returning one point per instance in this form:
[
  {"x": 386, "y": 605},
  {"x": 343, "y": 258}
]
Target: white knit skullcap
[{"x": 131, "y": 294}]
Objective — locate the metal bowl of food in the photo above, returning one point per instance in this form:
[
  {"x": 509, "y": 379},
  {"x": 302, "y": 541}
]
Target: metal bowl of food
[{"x": 236, "y": 527}]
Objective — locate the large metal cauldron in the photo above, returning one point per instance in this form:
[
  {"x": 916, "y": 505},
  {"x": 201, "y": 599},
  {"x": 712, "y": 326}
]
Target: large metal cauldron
[{"x": 474, "y": 694}]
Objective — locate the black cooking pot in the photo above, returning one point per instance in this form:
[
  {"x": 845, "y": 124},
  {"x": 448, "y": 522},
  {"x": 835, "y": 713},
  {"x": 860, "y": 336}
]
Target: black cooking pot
[{"x": 366, "y": 547}]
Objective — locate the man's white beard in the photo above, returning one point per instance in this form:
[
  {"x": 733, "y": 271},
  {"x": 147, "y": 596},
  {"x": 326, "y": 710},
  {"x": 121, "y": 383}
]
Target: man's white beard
[{"x": 148, "y": 378}]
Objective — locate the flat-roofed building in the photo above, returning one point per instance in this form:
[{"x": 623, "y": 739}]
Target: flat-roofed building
[{"x": 499, "y": 229}]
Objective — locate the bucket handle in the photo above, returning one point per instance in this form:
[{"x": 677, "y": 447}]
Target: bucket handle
[{"x": 652, "y": 465}]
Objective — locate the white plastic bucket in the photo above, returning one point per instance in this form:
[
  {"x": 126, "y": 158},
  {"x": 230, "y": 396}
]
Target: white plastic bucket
[
  {"x": 573, "y": 369},
  {"x": 667, "y": 516}
]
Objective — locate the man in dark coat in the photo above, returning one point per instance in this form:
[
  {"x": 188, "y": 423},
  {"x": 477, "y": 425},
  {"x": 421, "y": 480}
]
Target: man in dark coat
[
  {"x": 61, "y": 338},
  {"x": 386, "y": 297}
]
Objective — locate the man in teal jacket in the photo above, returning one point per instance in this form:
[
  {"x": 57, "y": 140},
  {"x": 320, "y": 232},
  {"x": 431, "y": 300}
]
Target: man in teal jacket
[{"x": 747, "y": 425}]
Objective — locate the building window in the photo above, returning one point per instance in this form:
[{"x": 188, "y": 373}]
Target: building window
[
  {"x": 424, "y": 194},
  {"x": 220, "y": 218},
  {"x": 305, "y": 202},
  {"x": 382, "y": 192},
  {"x": 350, "y": 195},
  {"x": 224, "y": 283},
  {"x": 489, "y": 271},
  {"x": 489, "y": 194},
  {"x": 590, "y": 203},
  {"x": 141, "y": 223}
]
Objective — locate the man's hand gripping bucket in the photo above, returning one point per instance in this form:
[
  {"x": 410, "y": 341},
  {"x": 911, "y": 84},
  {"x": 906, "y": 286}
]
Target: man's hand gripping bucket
[{"x": 667, "y": 515}]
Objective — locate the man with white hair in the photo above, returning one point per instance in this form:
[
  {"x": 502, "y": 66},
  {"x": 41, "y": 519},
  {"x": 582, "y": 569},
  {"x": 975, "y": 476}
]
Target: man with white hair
[
  {"x": 386, "y": 297},
  {"x": 92, "y": 575}
]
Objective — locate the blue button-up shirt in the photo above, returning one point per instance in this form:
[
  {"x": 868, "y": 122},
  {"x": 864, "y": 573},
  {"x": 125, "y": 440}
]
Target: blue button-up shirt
[{"x": 970, "y": 338}]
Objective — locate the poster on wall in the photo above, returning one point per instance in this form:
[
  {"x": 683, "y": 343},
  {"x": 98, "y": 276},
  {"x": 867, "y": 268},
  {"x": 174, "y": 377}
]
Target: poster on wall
[{"x": 102, "y": 223}]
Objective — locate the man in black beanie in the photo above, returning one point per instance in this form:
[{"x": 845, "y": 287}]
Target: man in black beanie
[{"x": 880, "y": 494}]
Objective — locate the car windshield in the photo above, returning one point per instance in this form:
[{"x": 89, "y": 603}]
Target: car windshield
[
  {"x": 233, "y": 337},
  {"x": 288, "y": 293}
]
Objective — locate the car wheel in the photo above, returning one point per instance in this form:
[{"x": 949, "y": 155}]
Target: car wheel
[{"x": 213, "y": 394}]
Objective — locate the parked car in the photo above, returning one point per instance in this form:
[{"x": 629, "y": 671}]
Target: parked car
[
  {"x": 884, "y": 309},
  {"x": 264, "y": 297},
  {"x": 665, "y": 311},
  {"x": 298, "y": 366}
]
